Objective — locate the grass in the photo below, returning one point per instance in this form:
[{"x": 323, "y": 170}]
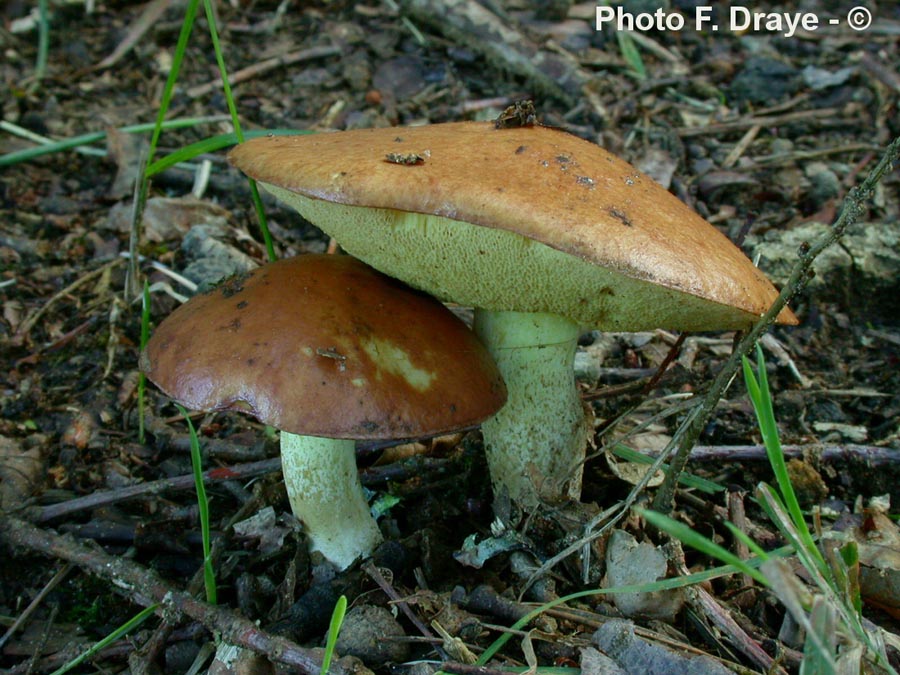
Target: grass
[
  {"x": 141, "y": 196},
  {"x": 142, "y": 377},
  {"x": 334, "y": 628},
  {"x": 119, "y": 632},
  {"x": 828, "y": 606},
  {"x": 209, "y": 573},
  {"x": 831, "y": 614}
]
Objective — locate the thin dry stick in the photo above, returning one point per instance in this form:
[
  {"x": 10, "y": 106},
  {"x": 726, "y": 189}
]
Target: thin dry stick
[
  {"x": 852, "y": 208},
  {"x": 761, "y": 120},
  {"x": 185, "y": 482},
  {"x": 265, "y": 66},
  {"x": 376, "y": 575},
  {"x": 148, "y": 17},
  {"x": 738, "y": 515},
  {"x": 25, "y": 328},
  {"x": 466, "y": 669},
  {"x": 35, "y": 603},
  {"x": 872, "y": 455}
]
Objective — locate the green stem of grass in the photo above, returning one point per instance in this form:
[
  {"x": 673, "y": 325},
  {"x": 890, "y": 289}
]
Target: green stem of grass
[
  {"x": 761, "y": 397},
  {"x": 187, "y": 25},
  {"x": 334, "y": 628},
  {"x": 40, "y": 66},
  {"x": 48, "y": 147},
  {"x": 236, "y": 122},
  {"x": 124, "y": 629},
  {"x": 850, "y": 212},
  {"x": 142, "y": 378},
  {"x": 209, "y": 574}
]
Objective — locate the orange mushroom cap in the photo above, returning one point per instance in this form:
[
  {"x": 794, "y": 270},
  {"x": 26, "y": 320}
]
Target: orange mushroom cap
[{"x": 540, "y": 183}]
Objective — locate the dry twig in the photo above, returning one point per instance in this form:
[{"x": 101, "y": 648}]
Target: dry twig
[
  {"x": 145, "y": 587},
  {"x": 800, "y": 275}
]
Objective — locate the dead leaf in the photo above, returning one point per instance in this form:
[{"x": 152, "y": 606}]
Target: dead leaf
[
  {"x": 20, "y": 472},
  {"x": 629, "y": 562}
]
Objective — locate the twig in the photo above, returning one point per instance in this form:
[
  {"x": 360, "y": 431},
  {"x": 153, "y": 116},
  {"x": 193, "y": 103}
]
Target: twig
[
  {"x": 752, "y": 121},
  {"x": 35, "y": 603},
  {"x": 467, "y": 669},
  {"x": 145, "y": 587},
  {"x": 29, "y": 323},
  {"x": 149, "y": 16},
  {"x": 186, "y": 482},
  {"x": 800, "y": 275},
  {"x": 265, "y": 66},
  {"x": 887, "y": 76},
  {"x": 737, "y": 514},
  {"x": 557, "y": 74},
  {"x": 706, "y": 605},
  {"x": 870, "y": 454},
  {"x": 376, "y": 576},
  {"x": 799, "y": 155}
]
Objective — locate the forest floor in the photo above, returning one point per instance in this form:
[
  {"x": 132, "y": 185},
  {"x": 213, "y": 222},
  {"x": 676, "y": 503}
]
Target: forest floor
[{"x": 762, "y": 132}]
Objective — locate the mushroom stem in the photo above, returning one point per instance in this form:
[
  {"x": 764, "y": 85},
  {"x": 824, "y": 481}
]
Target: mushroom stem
[
  {"x": 326, "y": 496},
  {"x": 536, "y": 443}
]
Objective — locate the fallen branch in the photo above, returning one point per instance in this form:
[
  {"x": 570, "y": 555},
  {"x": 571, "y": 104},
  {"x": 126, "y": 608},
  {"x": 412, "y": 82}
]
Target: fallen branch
[{"x": 145, "y": 587}]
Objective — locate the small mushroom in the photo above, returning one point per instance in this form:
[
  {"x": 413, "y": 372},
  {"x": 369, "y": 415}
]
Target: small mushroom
[
  {"x": 544, "y": 233},
  {"x": 329, "y": 351}
]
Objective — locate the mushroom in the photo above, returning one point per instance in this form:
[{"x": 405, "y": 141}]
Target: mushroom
[
  {"x": 544, "y": 233},
  {"x": 329, "y": 351}
]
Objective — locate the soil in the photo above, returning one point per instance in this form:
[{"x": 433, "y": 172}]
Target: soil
[{"x": 759, "y": 132}]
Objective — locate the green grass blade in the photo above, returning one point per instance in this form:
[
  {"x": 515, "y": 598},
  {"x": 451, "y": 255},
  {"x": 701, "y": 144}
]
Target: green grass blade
[
  {"x": 236, "y": 122},
  {"x": 849, "y": 557},
  {"x": 334, "y": 628},
  {"x": 261, "y": 218},
  {"x": 761, "y": 397},
  {"x": 209, "y": 574},
  {"x": 631, "y": 54},
  {"x": 187, "y": 25},
  {"x": 810, "y": 557},
  {"x": 40, "y": 66},
  {"x": 28, "y": 154},
  {"x": 685, "y": 479},
  {"x": 765, "y": 415},
  {"x": 223, "y": 71},
  {"x": 142, "y": 378},
  {"x": 209, "y": 145},
  {"x": 703, "y": 544},
  {"x": 629, "y": 51},
  {"x": 755, "y": 548},
  {"x": 125, "y": 628}
]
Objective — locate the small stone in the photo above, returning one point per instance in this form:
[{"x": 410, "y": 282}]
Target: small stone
[{"x": 366, "y": 634}]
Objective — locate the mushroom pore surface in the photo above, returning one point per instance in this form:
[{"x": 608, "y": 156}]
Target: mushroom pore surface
[{"x": 500, "y": 270}]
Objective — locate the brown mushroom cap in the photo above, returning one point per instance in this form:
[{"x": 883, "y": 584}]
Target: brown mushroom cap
[
  {"x": 326, "y": 346},
  {"x": 543, "y": 184}
]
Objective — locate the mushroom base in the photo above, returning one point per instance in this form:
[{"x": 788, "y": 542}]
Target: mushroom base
[
  {"x": 536, "y": 443},
  {"x": 326, "y": 496}
]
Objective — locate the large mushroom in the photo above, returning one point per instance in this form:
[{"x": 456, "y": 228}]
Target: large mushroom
[
  {"x": 329, "y": 351},
  {"x": 544, "y": 233}
]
